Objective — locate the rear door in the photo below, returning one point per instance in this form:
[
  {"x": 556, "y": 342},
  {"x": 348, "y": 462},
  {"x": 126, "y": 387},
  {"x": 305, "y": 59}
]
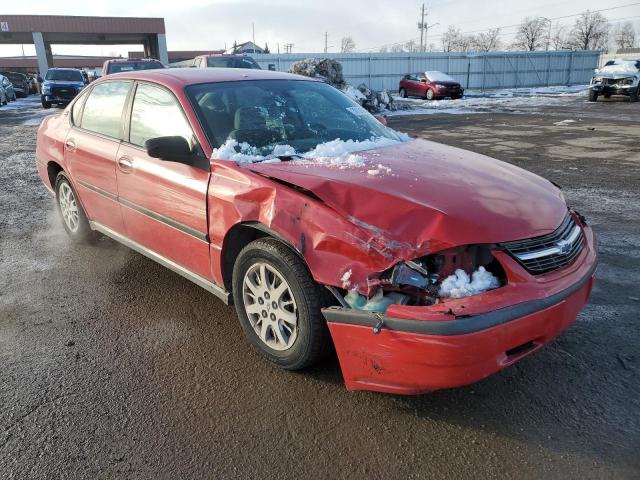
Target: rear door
[
  {"x": 164, "y": 204},
  {"x": 91, "y": 147}
]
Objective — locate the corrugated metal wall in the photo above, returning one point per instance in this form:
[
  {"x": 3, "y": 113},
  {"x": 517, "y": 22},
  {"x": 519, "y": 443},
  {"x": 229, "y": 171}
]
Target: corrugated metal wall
[{"x": 382, "y": 71}]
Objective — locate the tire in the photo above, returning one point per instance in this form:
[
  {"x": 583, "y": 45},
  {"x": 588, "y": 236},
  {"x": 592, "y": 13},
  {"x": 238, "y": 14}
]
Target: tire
[
  {"x": 456, "y": 97},
  {"x": 403, "y": 93},
  {"x": 633, "y": 97},
  {"x": 295, "y": 315},
  {"x": 74, "y": 220},
  {"x": 46, "y": 104},
  {"x": 429, "y": 95},
  {"x": 593, "y": 96}
]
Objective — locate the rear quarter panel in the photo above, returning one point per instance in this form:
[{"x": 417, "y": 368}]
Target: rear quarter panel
[{"x": 50, "y": 143}]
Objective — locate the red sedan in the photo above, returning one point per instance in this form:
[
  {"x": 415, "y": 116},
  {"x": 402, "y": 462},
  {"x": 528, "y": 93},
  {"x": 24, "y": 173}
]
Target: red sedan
[
  {"x": 425, "y": 266},
  {"x": 430, "y": 85}
]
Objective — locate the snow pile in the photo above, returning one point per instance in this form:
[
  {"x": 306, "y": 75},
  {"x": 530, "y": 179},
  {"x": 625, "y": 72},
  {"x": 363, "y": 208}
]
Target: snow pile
[
  {"x": 564, "y": 122},
  {"x": 460, "y": 285},
  {"x": 326, "y": 69},
  {"x": 337, "y": 152},
  {"x": 330, "y": 71}
]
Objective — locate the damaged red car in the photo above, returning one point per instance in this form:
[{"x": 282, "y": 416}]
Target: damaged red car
[{"x": 424, "y": 266}]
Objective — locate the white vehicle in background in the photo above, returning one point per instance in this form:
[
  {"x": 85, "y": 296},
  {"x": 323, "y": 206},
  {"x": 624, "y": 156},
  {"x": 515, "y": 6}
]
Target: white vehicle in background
[
  {"x": 617, "y": 77},
  {"x": 3, "y": 96}
]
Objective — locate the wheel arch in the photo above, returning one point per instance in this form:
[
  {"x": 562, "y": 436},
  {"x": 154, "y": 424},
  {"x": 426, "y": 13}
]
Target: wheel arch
[
  {"x": 238, "y": 237},
  {"x": 53, "y": 169}
]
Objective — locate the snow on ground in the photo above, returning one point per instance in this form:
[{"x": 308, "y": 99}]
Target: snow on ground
[
  {"x": 475, "y": 101},
  {"x": 28, "y": 109}
]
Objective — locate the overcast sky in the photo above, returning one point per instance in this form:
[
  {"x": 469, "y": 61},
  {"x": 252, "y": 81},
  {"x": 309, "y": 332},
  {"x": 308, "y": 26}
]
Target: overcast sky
[{"x": 206, "y": 24}]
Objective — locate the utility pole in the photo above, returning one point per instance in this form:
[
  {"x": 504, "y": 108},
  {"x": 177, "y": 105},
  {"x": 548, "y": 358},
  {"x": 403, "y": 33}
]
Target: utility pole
[
  {"x": 253, "y": 33},
  {"x": 326, "y": 41},
  {"x": 421, "y": 25}
]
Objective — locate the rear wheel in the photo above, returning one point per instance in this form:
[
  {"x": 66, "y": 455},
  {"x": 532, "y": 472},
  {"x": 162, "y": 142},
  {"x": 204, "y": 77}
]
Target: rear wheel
[
  {"x": 430, "y": 94},
  {"x": 278, "y": 305},
  {"x": 593, "y": 96},
  {"x": 403, "y": 93},
  {"x": 633, "y": 97},
  {"x": 74, "y": 219}
]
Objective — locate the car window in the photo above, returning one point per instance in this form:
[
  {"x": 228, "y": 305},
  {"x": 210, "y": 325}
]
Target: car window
[
  {"x": 156, "y": 113},
  {"x": 131, "y": 66},
  {"x": 103, "y": 108},
  {"x": 76, "y": 110}
]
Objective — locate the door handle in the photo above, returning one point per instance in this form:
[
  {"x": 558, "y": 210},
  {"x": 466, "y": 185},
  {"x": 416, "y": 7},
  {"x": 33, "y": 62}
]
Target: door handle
[
  {"x": 70, "y": 144},
  {"x": 125, "y": 164}
]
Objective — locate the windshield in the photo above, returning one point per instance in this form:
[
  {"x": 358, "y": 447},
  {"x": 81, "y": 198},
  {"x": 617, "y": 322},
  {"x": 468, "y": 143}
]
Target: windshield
[
  {"x": 131, "y": 66},
  {"x": 13, "y": 76},
  {"x": 436, "y": 76},
  {"x": 621, "y": 66},
  {"x": 232, "y": 62},
  {"x": 262, "y": 114},
  {"x": 65, "y": 75}
]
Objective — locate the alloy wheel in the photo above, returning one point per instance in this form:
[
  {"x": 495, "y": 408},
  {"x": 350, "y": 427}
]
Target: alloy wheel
[
  {"x": 68, "y": 207},
  {"x": 270, "y": 306}
]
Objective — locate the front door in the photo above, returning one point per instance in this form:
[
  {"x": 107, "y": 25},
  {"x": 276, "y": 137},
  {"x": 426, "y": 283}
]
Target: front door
[
  {"x": 164, "y": 204},
  {"x": 91, "y": 147}
]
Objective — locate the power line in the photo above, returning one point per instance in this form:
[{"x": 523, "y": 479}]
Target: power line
[{"x": 508, "y": 26}]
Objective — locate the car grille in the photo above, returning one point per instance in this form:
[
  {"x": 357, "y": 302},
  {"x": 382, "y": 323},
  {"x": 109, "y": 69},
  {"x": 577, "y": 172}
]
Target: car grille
[
  {"x": 549, "y": 252},
  {"x": 63, "y": 92}
]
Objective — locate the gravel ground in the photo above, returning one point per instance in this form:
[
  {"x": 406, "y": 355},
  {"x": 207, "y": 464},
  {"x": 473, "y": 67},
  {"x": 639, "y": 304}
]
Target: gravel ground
[{"x": 114, "y": 367}]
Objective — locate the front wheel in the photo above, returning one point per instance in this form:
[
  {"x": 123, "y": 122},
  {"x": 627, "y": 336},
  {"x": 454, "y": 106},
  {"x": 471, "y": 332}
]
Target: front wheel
[
  {"x": 403, "y": 93},
  {"x": 46, "y": 104},
  {"x": 74, "y": 219},
  {"x": 633, "y": 96},
  {"x": 278, "y": 305},
  {"x": 430, "y": 94},
  {"x": 593, "y": 96}
]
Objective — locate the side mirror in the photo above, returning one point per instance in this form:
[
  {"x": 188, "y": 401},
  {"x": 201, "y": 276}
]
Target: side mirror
[
  {"x": 171, "y": 149},
  {"x": 39, "y": 78},
  {"x": 423, "y": 80},
  {"x": 382, "y": 119}
]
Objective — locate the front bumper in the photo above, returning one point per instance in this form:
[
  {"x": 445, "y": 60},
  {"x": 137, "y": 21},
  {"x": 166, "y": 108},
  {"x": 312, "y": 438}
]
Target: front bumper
[
  {"x": 56, "y": 99},
  {"x": 446, "y": 348},
  {"x": 601, "y": 89}
]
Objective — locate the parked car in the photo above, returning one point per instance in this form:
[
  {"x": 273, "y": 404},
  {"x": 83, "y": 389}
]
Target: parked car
[
  {"x": 118, "y": 65},
  {"x": 61, "y": 85},
  {"x": 3, "y": 95},
  {"x": 225, "y": 61},
  {"x": 426, "y": 266},
  {"x": 617, "y": 77},
  {"x": 8, "y": 88},
  {"x": 19, "y": 81},
  {"x": 430, "y": 85}
]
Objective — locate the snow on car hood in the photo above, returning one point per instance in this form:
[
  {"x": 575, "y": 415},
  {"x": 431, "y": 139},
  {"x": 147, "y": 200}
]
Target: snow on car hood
[
  {"x": 430, "y": 195},
  {"x": 618, "y": 70}
]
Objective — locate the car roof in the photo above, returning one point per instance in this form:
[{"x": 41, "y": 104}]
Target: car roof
[
  {"x": 64, "y": 68},
  {"x": 191, "y": 76},
  {"x": 122, "y": 60}
]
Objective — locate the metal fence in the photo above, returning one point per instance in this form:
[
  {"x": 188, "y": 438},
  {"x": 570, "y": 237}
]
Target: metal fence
[{"x": 382, "y": 71}]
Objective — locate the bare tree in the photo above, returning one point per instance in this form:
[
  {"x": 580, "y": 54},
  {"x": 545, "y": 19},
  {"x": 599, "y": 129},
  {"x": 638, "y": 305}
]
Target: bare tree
[
  {"x": 384, "y": 49},
  {"x": 559, "y": 40},
  {"x": 625, "y": 35},
  {"x": 397, "y": 47},
  {"x": 454, "y": 41},
  {"x": 487, "y": 41},
  {"x": 347, "y": 45},
  {"x": 531, "y": 34},
  {"x": 411, "y": 46},
  {"x": 590, "y": 32}
]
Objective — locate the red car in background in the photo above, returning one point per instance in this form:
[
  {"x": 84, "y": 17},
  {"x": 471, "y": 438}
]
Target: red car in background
[
  {"x": 426, "y": 266},
  {"x": 430, "y": 85}
]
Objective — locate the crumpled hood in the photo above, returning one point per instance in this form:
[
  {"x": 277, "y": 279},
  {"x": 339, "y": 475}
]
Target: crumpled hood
[{"x": 434, "y": 196}]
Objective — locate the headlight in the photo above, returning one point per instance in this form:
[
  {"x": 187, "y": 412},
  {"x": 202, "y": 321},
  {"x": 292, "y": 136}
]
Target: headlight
[
  {"x": 628, "y": 81},
  {"x": 46, "y": 89},
  {"x": 596, "y": 80}
]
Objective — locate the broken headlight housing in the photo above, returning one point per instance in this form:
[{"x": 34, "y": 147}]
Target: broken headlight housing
[
  {"x": 596, "y": 80},
  {"x": 420, "y": 279}
]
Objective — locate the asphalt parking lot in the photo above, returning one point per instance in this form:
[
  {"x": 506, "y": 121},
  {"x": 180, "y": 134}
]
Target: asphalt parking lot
[{"x": 114, "y": 367}]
